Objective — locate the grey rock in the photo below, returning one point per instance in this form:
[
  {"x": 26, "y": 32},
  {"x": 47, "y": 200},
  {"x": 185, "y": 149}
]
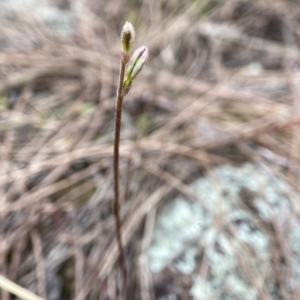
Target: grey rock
[{"x": 229, "y": 225}]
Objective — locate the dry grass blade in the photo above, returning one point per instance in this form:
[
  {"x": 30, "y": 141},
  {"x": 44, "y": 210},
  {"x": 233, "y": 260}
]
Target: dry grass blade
[{"x": 17, "y": 290}]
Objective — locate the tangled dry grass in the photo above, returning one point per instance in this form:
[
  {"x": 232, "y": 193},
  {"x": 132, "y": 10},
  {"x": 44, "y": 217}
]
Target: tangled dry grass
[{"x": 221, "y": 86}]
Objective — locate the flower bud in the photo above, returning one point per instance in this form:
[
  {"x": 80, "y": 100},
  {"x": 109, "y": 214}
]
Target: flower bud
[
  {"x": 127, "y": 37},
  {"x": 135, "y": 65}
]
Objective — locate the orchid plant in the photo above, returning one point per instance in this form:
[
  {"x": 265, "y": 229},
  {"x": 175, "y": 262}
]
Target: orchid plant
[{"x": 130, "y": 66}]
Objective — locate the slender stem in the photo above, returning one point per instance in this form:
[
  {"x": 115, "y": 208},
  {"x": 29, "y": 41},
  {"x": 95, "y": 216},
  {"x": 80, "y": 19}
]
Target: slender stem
[{"x": 118, "y": 116}]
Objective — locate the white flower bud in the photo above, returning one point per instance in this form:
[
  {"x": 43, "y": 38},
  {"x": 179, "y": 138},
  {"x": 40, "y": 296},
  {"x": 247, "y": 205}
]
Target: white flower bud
[
  {"x": 135, "y": 65},
  {"x": 127, "y": 37}
]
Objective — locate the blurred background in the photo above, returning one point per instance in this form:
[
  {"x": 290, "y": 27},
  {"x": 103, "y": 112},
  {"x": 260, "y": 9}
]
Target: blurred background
[{"x": 209, "y": 161}]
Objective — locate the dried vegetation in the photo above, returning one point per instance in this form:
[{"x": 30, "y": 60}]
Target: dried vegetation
[{"x": 221, "y": 86}]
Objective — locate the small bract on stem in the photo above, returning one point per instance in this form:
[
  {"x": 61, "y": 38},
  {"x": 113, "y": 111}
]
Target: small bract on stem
[{"x": 130, "y": 66}]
